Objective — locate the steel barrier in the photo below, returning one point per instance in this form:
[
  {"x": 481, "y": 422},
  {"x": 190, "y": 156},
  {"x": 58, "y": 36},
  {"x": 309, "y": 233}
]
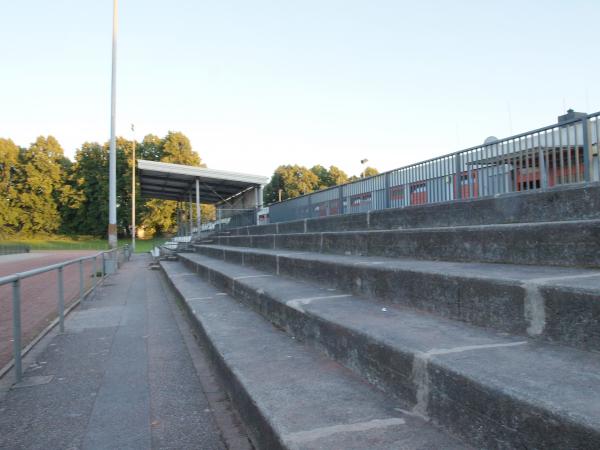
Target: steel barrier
[
  {"x": 110, "y": 258},
  {"x": 559, "y": 154}
]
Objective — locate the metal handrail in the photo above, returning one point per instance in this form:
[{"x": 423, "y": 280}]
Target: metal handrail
[
  {"x": 16, "y": 278},
  {"x": 447, "y": 155}
]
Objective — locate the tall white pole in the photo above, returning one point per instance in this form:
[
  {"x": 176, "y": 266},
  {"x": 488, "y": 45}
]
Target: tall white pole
[
  {"x": 112, "y": 162},
  {"x": 133, "y": 193}
]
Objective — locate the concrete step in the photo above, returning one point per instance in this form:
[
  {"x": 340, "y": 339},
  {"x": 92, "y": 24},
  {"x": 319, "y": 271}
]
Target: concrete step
[
  {"x": 492, "y": 389},
  {"x": 574, "y": 202},
  {"x": 555, "y": 304},
  {"x": 572, "y": 243},
  {"x": 289, "y": 396}
]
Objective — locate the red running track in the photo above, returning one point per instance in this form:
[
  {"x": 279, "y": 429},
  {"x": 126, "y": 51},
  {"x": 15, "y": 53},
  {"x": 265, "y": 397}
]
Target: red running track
[{"x": 39, "y": 294}]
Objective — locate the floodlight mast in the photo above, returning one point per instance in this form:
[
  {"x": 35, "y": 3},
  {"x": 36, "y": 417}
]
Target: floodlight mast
[
  {"x": 112, "y": 160},
  {"x": 133, "y": 190}
]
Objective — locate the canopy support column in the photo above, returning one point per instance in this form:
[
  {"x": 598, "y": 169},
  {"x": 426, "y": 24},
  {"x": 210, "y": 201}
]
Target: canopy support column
[
  {"x": 198, "y": 219},
  {"x": 191, "y": 215}
]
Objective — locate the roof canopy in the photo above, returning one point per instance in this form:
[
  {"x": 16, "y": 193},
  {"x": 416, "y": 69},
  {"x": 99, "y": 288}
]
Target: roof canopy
[{"x": 176, "y": 181}]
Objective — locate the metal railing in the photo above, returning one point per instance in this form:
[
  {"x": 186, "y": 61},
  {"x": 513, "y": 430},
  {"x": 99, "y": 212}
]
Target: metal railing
[
  {"x": 110, "y": 261},
  {"x": 10, "y": 249},
  {"x": 559, "y": 154}
]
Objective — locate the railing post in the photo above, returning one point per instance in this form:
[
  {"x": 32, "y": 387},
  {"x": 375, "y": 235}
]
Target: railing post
[
  {"x": 61, "y": 300},
  {"x": 81, "y": 280},
  {"x": 543, "y": 171},
  {"x": 457, "y": 180},
  {"x": 587, "y": 150},
  {"x": 16, "y": 289},
  {"x": 95, "y": 280},
  {"x": 387, "y": 190}
]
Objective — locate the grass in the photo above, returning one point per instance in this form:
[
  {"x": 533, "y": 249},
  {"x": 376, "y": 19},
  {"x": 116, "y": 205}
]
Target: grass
[
  {"x": 81, "y": 243},
  {"x": 146, "y": 245}
]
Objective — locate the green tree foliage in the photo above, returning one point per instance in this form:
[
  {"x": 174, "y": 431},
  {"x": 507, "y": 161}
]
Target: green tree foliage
[
  {"x": 329, "y": 177},
  {"x": 177, "y": 149},
  {"x": 159, "y": 216},
  {"x": 298, "y": 180},
  {"x": 370, "y": 172},
  {"x": 322, "y": 176},
  {"x": 40, "y": 186},
  {"x": 88, "y": 213},
  {"x": 9, "y": 167},
  {"x": 85, "y": 207},
  {"x": 292, "y": 181}
]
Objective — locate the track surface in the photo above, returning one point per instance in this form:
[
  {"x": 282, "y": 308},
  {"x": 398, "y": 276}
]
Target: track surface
[{"x": 39, "y": 294}]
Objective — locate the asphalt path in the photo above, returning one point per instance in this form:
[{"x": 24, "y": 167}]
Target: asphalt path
[{"x": 127, "y": 373}]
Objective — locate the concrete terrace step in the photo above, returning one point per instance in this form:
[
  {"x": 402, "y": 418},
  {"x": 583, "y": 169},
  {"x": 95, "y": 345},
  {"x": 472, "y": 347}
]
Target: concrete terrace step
[
  {"x": 568, "y": 243},
  {"x": 495, "y": 390},
  {"x": 580, "y": 202},
  {"x": 288, "y": 395},
  {"x": 552, "y": 303}
]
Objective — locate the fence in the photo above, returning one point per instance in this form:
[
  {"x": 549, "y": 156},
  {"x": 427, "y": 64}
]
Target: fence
[
  {"x": 559, "y": 154},
  {"x": 10, "y": 249},
  {"x": 110, "y": 261},
  {"x": 231, "y": 218}
]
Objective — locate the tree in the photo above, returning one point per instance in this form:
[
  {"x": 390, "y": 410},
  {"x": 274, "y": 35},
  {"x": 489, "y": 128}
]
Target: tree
[
  {"x": 323, "y": 176},
  {"x": 39, "y": 185},
  {"x": 293, "y": 181},
  {"x": 151, "y": 148},
  {"x": 9, "y": 167},
  {"x": 370, "y": 171},
  {"x": 177, "y": 149},
  {"x": 159, "y": 216},
  {"x": 336, "y": 176},
  {"x": 89, "y": 179}
]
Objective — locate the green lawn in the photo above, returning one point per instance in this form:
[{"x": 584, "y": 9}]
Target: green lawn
[
  {"x": 146, "y": 245},
  {"x": 82, "y": 243}
]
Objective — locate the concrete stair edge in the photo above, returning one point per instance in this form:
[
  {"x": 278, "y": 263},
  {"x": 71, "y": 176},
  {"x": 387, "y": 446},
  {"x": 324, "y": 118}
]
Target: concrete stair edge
[
  {"x": 566, "y": 243},
  {"x": 514, "y": 299},
  {"x": 275, "y": 400},
  {"x": 547, "y": 426}
]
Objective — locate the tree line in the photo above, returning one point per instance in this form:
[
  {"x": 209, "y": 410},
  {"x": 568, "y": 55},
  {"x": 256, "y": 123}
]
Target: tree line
[
  {"x": 289, "y": 181},
  {"x": 44, "y": 192}
]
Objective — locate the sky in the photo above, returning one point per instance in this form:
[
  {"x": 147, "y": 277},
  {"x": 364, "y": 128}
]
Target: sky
[{"x": 256, "y": 84}]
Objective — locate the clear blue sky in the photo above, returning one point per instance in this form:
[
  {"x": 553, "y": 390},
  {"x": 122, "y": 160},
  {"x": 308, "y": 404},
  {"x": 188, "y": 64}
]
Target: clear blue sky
[{"x": 255, "y": 84}]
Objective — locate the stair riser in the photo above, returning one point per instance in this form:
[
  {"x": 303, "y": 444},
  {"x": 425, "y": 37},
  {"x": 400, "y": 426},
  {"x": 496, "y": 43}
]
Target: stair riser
[
  {"x": 572, "y": 203},
  {"x": 461, "y": 405},
  {"x": 257, "y": 426},
  {"x": 566, "y": 244},
  {"x": 483, "y": 302}
]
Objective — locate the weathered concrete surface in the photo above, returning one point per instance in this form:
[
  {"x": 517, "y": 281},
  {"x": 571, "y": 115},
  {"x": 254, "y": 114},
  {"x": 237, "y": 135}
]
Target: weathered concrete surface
[
  {"x": 122, "y": 378},
  {"x": 556, "y": 304},
  {"x": 572, "y": 243},
  {"x": 579, "y": 202},
  {"x": 495, "y": 390},
  {"x": 290, "y": 396}
]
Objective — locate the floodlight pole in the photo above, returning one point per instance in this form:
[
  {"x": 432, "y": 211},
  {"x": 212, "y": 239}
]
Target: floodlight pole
[
  {"x": 133, "y": 193},
  {"x": 112, "y": 162}
]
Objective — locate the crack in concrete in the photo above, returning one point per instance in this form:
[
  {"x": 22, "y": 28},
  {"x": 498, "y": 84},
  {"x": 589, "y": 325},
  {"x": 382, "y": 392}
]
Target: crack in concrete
[
  {"x": 300, "y": 437},
  {"x": 297, "y": 303},
  {"x": 420, "y": 372}
]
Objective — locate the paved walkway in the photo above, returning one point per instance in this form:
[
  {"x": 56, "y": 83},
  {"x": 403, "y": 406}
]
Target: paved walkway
[
  {"x": 120, "y": 377},
  {"x": 39, "y": 294}
]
